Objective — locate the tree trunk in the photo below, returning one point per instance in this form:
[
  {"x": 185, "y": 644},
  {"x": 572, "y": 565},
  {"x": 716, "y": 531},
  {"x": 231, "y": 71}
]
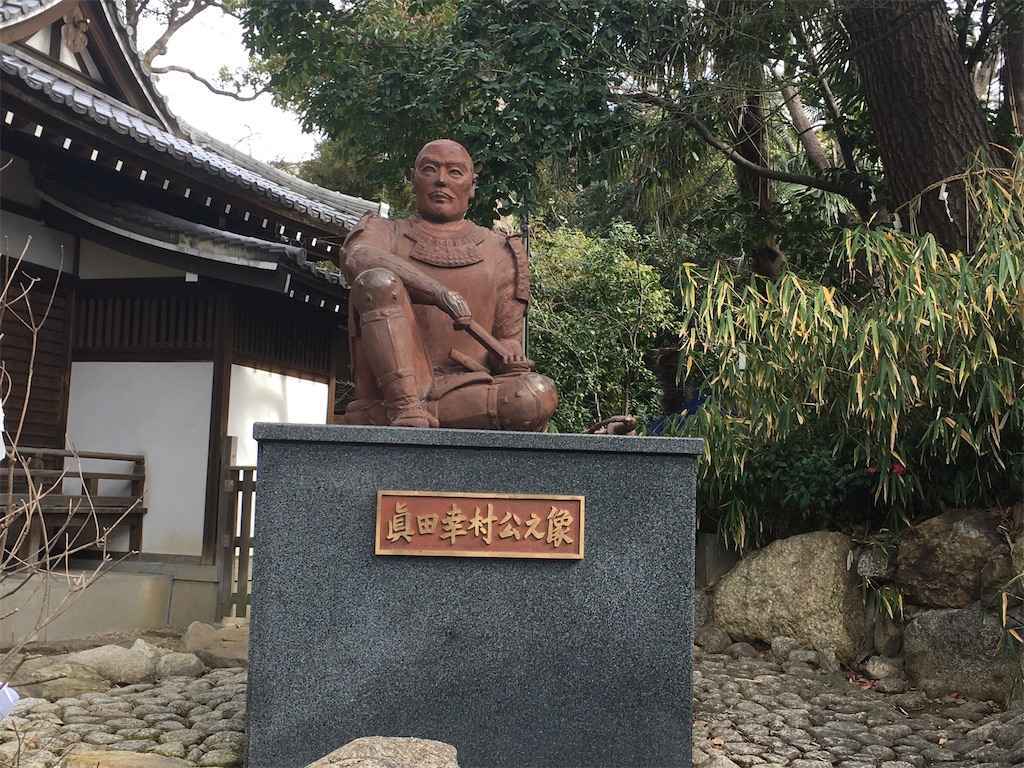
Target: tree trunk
[
  {"x": 1013, "y": 67},
  {"x": 737, "y": 61},
  {"x": 751, "y": 142},
  {"x": 805, "y": 130},
  {"x": 925, "y": 116}
]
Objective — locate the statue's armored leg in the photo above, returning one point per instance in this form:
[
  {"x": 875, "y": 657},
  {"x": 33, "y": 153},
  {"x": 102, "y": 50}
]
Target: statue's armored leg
[
  {"x": 524, "y": 403},
  {"x": 391, "y": 348}
]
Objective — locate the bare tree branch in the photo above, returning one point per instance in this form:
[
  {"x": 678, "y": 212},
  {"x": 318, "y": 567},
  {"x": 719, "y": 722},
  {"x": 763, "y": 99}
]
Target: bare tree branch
[
  {"x": 225, "y": 9},
  {"x": 209, "y": 85},
  {"x": 174, "y": 23},
  {"x": 134, "y": 11},
  {"x": 826, "y": 185},
  {"x": 805, "y": 130},
  {"x": 966, "y": 11},
  {"x": 831, "y": 104},
  {"x": 987, "y": 23}
]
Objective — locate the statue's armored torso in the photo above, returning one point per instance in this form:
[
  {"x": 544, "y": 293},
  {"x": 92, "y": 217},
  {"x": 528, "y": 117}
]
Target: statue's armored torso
[{"x": 488, "y": 269}]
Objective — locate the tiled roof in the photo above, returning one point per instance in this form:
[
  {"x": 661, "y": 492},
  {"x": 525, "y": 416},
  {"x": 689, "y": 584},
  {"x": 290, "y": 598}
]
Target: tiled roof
[
  {"x": 188, "y": 236},
  {"x": 14, "y": 10},
  {"x": 341, "y": 211}
]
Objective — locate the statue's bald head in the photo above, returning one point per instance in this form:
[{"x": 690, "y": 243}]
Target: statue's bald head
[
  {"x": 446, "y": 147},
  {"x": 443, "y": 180}
]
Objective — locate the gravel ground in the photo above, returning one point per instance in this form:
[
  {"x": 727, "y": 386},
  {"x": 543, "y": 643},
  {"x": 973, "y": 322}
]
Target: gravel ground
[
  {"x": 747, "y": 711},
  {"x": 201, "y": 720},
  {"x": 751, "y": 711}
]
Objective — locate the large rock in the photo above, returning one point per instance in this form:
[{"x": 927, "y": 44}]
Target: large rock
[
  {"x": 962, "y": 651},
  {"x": 217, "y": 647},
  {"x": 799, "y": 587},
  {"x": 382, "y": 752},
  {"x": 117, "y": 664},
  {"x": 56, "y": 678},
  {"x": 955, "y": 559},
  {"x": 880, "y": 667},
  {"x": 121, "y": 760},
  {"x": 179, "y": 665},
  {"x": 712, "y": 639}
]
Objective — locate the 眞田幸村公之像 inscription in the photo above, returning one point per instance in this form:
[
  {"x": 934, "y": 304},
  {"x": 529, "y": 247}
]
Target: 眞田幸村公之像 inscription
[{"x": 449, "y": 524}]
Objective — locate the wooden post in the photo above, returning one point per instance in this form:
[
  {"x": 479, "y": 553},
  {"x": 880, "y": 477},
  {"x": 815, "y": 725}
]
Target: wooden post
[
  {"x": 338, "y": 359},
  {"x": 224, "y": 343},
  {"x": 135, "y": 534},
  {"x": 139, "y": 482},
  {"x": 245, "y": 515},
  {"x": 228, "y": 501}
]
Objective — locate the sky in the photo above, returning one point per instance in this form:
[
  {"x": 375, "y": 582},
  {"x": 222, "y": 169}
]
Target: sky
[{"x": 208, "y": 42}]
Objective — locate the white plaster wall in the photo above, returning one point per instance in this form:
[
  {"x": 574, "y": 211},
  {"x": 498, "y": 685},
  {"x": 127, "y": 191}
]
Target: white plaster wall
[
  {"x": 161, "y": 410},
  {"x": 40, "y": 40},
  {"x": 49, "y": 247},
  {"x": 263, "y": 396},
  {"x": 97, "y": 262}
]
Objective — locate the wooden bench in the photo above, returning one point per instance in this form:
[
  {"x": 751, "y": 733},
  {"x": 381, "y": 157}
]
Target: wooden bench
[{"x": 76, "y": 512}]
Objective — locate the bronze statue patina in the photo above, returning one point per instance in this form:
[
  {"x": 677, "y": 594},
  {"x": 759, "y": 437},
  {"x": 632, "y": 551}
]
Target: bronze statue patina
[{"x": 436, "y": 312}]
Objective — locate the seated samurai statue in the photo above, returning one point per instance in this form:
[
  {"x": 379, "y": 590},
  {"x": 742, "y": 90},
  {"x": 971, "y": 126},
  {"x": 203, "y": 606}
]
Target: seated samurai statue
[{"x": 436, "y": 312}]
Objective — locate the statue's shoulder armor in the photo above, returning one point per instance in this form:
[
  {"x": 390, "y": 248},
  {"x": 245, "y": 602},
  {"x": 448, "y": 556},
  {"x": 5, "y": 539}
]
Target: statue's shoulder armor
[
  {"x": 373, "y": 226},
  {"x": 517, "y": 248}
]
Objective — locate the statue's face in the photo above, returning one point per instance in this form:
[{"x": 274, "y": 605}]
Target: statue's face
[{"x": 443, "y": 181}]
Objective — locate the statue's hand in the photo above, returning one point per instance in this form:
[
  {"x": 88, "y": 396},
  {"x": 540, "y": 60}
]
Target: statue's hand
[
  {"x": 514, "y": 363},
  {"x": 456, "y": 307}
]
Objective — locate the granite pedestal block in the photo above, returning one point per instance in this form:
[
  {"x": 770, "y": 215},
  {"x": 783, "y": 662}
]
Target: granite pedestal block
[{"x": 519, "y": 663}]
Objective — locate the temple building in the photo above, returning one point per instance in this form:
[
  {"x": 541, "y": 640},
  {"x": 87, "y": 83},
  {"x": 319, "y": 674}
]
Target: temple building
[{"x": 191, "y": 291}]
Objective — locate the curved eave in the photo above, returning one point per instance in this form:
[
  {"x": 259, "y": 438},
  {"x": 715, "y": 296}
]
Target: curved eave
[
  {"x": 31, "y": 20},
  {"x": 191, "y": 246},
  {"x": 125, "y": 42},
  {"x": 28, "y": 72}
]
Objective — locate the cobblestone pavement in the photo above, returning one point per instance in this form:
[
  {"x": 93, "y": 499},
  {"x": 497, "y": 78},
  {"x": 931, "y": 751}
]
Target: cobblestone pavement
[
  {"x": 748, "y": 711},
  {"x": 201, "y": 720},
  {"x": 752, "y": 711}
]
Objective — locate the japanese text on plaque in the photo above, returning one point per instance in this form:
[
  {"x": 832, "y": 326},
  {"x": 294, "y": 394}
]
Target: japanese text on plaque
[{"x": 479, "y": 525}]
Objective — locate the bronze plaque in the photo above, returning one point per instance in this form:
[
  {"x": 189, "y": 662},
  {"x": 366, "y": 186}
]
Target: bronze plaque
[{"x": 452, "y": 524}]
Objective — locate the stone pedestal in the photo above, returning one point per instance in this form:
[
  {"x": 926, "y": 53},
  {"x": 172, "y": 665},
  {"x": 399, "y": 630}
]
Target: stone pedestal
[{"x": 519, "y": 663}]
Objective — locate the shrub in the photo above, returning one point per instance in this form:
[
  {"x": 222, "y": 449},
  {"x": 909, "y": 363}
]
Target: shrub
[{"x": 910, "y": 368}]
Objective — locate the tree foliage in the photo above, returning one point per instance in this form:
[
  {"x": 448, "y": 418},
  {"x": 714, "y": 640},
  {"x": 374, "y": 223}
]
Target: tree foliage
[
  {"x": 613, "y": 90},
  {"x": 597, "y": 309}
]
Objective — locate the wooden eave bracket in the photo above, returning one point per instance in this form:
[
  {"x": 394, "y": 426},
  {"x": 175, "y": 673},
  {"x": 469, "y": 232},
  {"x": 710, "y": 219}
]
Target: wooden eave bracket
[{"x": 26, "y": 26}]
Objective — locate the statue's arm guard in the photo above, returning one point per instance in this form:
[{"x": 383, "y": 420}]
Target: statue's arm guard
[
  {"x": 513, "y": 296},
  {"x": 522, "y": 266}
]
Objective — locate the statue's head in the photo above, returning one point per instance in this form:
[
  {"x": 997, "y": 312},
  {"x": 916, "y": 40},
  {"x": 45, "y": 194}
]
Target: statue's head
[{"x": 443, "y": 181}]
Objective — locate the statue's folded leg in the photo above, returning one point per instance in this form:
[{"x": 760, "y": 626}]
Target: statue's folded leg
[
  {"x": 390, "y": 346},
  {"x": 524, "y": 402}
]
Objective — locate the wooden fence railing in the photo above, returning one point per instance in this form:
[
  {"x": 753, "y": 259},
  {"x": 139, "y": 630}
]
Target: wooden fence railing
[
  {"x": 76, "y": 498},
  {"x": 236, "y": 520}
]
